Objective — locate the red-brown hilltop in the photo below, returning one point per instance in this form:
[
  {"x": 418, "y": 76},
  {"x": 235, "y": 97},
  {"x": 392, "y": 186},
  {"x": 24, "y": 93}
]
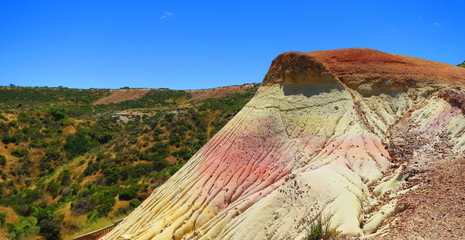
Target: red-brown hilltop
[
  {"x": 202, "y": 94},
  {"x": 356, "y": 66},
  {"x": 119, "y": 95}
]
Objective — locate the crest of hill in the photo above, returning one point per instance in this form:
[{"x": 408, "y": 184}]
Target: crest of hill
[
  {"x": 119, "y": 95},
  {"x": 363, "y": 69}
]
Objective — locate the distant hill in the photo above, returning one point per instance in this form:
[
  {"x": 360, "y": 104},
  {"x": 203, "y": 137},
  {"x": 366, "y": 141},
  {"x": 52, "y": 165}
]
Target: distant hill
[
  {"x": 462, "y": 64},
  {"x": 69, "y": 164}
]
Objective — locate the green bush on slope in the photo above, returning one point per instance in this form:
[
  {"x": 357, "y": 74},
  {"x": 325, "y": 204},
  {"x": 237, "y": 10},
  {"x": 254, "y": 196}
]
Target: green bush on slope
[{"x": 462, "y": 64}]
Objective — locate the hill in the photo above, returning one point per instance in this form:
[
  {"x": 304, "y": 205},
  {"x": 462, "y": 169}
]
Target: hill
[
  {"x": 356, "y": 141},
  {"x": 72, "y": 160}
]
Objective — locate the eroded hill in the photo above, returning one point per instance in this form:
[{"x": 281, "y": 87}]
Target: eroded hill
[{"x": 357, "y": 136}]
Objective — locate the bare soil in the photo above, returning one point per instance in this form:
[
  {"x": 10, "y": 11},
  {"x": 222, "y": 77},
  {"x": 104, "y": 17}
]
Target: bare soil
[
  {"x": 202, "y": 94},
  {"x": 119, "y": 95}
]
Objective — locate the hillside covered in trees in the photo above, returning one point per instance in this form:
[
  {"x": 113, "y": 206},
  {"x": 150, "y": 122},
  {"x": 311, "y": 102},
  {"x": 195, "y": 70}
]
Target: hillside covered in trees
[{"x": 69, "y": 166}]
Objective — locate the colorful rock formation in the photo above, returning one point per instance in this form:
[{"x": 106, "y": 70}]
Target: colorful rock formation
[{"x": 329, "y": 133}]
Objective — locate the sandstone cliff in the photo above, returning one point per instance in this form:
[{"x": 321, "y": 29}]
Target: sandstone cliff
[{"x": 348, "y": 133}]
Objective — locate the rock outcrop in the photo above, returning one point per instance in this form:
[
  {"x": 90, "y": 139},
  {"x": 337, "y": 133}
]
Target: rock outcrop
[{"x": 342, "y": 133}]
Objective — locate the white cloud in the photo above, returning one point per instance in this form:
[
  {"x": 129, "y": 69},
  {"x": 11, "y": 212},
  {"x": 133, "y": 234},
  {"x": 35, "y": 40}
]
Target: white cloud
[
  {"x": 436, "y": 24},
  {"x": 166, "y": 15}
]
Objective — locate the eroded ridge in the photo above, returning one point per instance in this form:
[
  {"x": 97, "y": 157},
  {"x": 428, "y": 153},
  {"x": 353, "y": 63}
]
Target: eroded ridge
[{"x": 315, "y": 140}]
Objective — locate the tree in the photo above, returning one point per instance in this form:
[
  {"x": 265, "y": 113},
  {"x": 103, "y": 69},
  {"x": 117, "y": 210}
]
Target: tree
[
  {"x": 78, "y": 144},
  {"x": 50, "y": 229},
  {"x": 57, "y": 113}
]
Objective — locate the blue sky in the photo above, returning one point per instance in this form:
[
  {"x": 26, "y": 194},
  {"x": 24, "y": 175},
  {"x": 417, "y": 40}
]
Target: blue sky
[{"x": 204, "y": 44}]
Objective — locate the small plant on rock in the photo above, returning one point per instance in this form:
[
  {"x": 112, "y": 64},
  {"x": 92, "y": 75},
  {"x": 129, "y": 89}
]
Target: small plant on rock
[{"x": 320, "y": 229}]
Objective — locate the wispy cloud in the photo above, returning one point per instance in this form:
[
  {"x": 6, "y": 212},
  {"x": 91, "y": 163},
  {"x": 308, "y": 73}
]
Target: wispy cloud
[
  {"x": 436, "y": 24},
  {"x": 166, "y": 15}
]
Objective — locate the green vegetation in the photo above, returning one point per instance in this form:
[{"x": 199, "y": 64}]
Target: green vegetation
[
  {"x": 462, "y": 64},
  {"x": 3, "y": 216},
  {"x": 26, "y": 227},
  {"x": 67, "y": 164},
  {"x": 320, "y": 229}
]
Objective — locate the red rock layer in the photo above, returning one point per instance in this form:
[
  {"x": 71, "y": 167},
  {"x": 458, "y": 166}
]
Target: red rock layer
[{"x": 356, "y": 66}]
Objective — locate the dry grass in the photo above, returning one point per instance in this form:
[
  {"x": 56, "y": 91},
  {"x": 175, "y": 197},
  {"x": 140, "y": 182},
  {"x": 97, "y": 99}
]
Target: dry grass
[
  {"x": 321, "y": 229},
  {"x": 12, "y": 217},
  {"x": 89, "y": 227}
]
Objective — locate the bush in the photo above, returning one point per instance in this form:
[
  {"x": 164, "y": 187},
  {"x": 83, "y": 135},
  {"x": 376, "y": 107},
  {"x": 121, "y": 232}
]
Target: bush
[
  {"x": 160, "y": 149},
  {"x": 184, "y": 153},
  {"x": 82, "y": 206},
  {"x": 25, "y": 227},
  {"x": 53, "y": 188},
  {"x": 124, "y": 210},
  {"x": 57, "y": 113},
  {"x": 78, "y": 144},
  {"x": 65, "y": 177},
  {"x": 127, "y": 193},
  {"x": 20, "y": 152},
  {"x": 112, "y": 175},
  {"x": 2, "y": 160},
  {"x": 3, "y": 216},
  {"x": 320, "y": 229},
  {"x": 134, "y": 203},
  {"x": 50, "y": 229}
]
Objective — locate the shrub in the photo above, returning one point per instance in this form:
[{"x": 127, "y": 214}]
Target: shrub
[
  {"x": 65, "y": 177},
  {"x": 112, "y": 175},
  {"x": 127, "y": 193},
  {"x": 57, "y": 113},
  {"x": 2, "y": 160},
  {"x": 184, "y": 153},
  {"x": 78, "y": 144},
  {"x": 82, "y": 206},
  {"x": 50, "y": 229},
  {"x": 3, "y": 216},
  {"x": 160, "y": 149},
  {"x": 20, "y": 152},
  {"x": 53, "y": 188},
  {"x": 134, "y": 203},
  {"x": 25, "y": 227},
  {"x": 124, "y": 210},
  {"x": 320, "y": 229}
]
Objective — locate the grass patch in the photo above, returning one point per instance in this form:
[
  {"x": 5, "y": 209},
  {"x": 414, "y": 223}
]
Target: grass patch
[{"x": 321, "y": 229}]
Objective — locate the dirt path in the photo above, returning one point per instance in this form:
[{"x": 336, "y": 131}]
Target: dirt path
[{"x": 12, "y": 218}]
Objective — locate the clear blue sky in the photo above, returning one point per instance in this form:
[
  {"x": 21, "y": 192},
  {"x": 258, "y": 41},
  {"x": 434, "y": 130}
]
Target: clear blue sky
[{"x": 203, "y": 44}]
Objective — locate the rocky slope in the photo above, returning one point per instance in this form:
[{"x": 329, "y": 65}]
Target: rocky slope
[{"x": 353, "y": 134}]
